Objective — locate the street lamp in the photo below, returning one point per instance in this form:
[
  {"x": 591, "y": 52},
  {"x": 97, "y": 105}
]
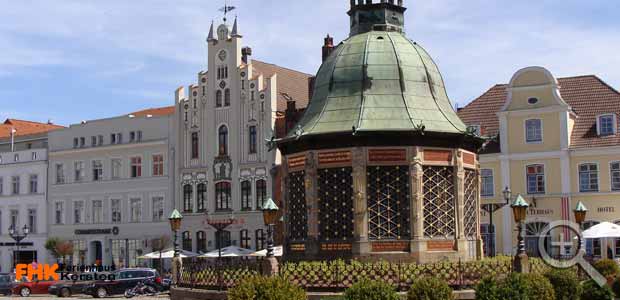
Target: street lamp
[
  {"x": 491, "y": 208},
  {"x": 580, "y": 216},
  {"x": 17, "y": 237},
  {"x": 175, "y": 224},
  {"x": 519, "y": 210},
  {"x": 270, "y": 216}
]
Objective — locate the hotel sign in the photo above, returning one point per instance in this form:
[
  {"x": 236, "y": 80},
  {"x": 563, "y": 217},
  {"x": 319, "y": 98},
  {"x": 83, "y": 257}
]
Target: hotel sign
[{"x": 540, "y": 212}]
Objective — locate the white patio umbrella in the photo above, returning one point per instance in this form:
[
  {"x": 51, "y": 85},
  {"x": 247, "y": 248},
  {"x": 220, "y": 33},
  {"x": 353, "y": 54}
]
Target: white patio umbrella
[
  {"x": 230, "y": 251},
  {"x": 602, "y": 230},
  {"x": 277, "y": 251},
  {"x": 167, "y": 253}
]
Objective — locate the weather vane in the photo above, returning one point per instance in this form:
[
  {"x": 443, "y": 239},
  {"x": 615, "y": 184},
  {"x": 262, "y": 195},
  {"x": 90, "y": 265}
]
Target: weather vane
[{"x": 226, "y": 9}]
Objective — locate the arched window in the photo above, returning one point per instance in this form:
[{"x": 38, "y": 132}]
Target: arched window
[
  {"x": 261, "y": 193},
  {"x": 202, "y": 197},
  {"x": 222, "y": 196},
  {"x": 260, "y": 239},
  {"x": 187, "y": 241},
  {"x": 244, "y": 239},
  {"x": 218, "y": 98},
  {"x": 195, "y": 144},
  {"x": 201, "y": 242},
  {"x": 246, "y": 195},
  {"x": 252, "y": 141},
  {"x": 222, "y": 239},
  {"x": 223, "y": 140},
  {"x": 187, "y": 198},
  {"x": 227, "y": 97}
]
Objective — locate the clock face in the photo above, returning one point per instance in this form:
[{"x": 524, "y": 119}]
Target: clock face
[{"x": 222, "y": 55}]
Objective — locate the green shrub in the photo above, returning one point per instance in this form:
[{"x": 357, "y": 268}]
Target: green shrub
[
  {"x": 592, "y": 291},
  {"x": 565, "y": 283},
  {"x": 430, "y": 288},
  {"x": 615, "y": 287},
  {"x": 371, "y": 290},
  {"x": 607, "y": 267},
  {"x": 515, "y": 287},
  {"x": 488, "y": 289},
  {"x": 266, "y": 288},
  {"x": 540, "y": 287}
]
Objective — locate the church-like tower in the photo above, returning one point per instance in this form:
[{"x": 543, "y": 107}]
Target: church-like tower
[{"x": 380, "y": 165}]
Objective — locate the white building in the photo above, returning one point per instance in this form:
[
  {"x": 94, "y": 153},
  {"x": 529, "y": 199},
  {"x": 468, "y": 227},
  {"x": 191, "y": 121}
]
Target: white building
[
  {"x": 23, "y": 177},
  {"x": 109, "y": 187},
  {"x": 222, "y": 124}
]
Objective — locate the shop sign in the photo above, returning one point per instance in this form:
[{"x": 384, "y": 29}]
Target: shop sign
[
  {"x": 609, "y": 209},
  {"x": 113, "y": 230},
  {"x": 540, "y": 212}
]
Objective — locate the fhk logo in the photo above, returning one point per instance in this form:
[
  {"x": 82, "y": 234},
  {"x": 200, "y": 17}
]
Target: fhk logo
[{"x": 42, "y": 272}]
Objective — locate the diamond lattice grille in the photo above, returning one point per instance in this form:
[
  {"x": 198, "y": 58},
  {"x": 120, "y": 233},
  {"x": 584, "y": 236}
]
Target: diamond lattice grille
[
  {"x": 439, "y": 204},
  {"x": 335, "y": 192},
  {"x": 471, "y": 204},
  {"x": 298, "y": 216},
  {"x": 388, "y": 202}
]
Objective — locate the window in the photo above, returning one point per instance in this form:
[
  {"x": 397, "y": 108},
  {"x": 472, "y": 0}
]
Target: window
[
  {"x": 97, "y": 211},
  {"x": 202, "y": 197},
  {"x": 218, "y": 98},
  {"x": 78, "y": 212},
  {"x": 246, "y": 195},
  {"x": 475, "y": 129},
  {"x": 115, "y": 206},
  {"x": 135, "y": 210},
  {"x": 34, "y": 184},
  {"x": 223, "y": 140},
  {"x": 33, "y": 156},
  {"x": 606, "y": 125},
  {"x": 79, "y": 171},
  {"x": 187, "y": 241},
  {"x": 59, "y": 213},
  {"x": 536, "y": 179},
  {"x": 15, "y": 184},
  {"x": 533, "y": 131},
  {"x": 119, "y": 138},
  {"x": 97, "y": 170},
  {"x": 136, "y": 167},
  {"x": 76, "y": 142},
  {"x": 222, "y": 196},
  {"x": 261, "y": 193},
  {"x": 227, "y": 97},
  {"x": 1, "y": 186},
  {"x": 14, "y": 222},
  {"x": 487, "y": 185},
  {"x": 588, "y": 178},
  {"x": 260, "y": 239},
  {"x": 615, "y": 176},
  {"x": 60, "y": 174},
  {"x": 195, "y": 146},
  {"x": 82, "y": 142},
  {"x": 158, "y": 165},
  {"x": 158, "y": 209},
  {"x": 132, "y": 136},
  {"x": 252, "y": 141},
  {"x": 201, "y": 242},
  {"x": 93, "y": 141},
  {"x": 244, "y": 239},
  {"x": 112, "y": 138},
  {"x": 532, "y": 100},
  {"x": 116, "y": 168},
  {"x": 222, "y": 239},
  {"x": 187, "y": 198},
  {"x": 32, "y": 220},
  {"x": 139, "y": 137},
  {"x": 100, "y": 140}
]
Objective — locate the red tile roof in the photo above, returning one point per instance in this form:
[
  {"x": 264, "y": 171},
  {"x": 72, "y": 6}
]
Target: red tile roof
[
  {"x": 589, "y": 96},
  {"x": 156, "y": 112},
  {"x": 23, "y": 128}
]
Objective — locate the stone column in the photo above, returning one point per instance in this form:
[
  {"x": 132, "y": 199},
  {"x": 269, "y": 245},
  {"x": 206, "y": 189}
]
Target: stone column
[
  {"x": 312, "y": 205},
  {"x": 418, "y": 247},
  {"x": 360, "y": 204}
]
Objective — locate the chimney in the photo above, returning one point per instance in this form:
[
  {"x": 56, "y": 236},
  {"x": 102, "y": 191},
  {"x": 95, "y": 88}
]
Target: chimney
[
  {"x": 328, "y": 47},
  {"x": 245, "y": 52}
]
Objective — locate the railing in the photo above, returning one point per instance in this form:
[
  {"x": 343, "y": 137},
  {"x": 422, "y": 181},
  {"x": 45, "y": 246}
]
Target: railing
[{"x": 222, "y": 274}]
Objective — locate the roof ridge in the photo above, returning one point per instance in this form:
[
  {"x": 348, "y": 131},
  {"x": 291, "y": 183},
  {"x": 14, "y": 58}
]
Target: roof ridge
[
  {"x": 281, "y": 67},
  {"x": 30, "y": 122}
]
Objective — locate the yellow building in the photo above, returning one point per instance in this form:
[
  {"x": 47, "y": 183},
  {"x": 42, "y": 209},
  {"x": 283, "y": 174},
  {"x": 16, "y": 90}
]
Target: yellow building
[{"x": 557, "y": 143}]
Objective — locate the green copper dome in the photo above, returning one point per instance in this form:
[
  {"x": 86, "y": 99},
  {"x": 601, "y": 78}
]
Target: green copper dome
[{"x": 379, "y": 81}]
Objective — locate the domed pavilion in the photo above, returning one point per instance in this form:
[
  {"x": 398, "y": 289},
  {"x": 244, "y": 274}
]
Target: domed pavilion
[{"x": 380, "y": 166}]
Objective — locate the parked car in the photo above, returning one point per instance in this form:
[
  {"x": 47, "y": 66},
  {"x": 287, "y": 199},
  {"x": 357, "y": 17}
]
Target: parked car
[
  {"x": 6, "y": 283},
  {"x": 68, "y": 288},
  {"x": 27, "y": 288},
  {"x": 123, "y": 279}
]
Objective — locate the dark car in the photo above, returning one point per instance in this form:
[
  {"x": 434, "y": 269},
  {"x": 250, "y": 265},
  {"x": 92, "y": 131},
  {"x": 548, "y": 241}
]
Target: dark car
[
  {"x": 123, "y": 279},
  {"x": 68, "y": 288},
  {"x": 6, "y": 283}
]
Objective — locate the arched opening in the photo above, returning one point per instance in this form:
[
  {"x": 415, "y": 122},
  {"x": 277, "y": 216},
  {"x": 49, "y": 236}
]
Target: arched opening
[
  {"x": 533, "y": 233},
  {"x": 222, "y": 134}
]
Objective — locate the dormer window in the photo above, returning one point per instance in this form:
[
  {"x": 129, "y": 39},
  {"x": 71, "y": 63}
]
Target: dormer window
[
  {"x": 606, "y": 124},
  {"x": 532, "y": 100},
  {"x": 533, "y": 131}
]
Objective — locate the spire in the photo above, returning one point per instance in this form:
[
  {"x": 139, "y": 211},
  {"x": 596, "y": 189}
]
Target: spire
[
  {"x": 210, "y": 37},
  {"x": 235, "y": 32}
]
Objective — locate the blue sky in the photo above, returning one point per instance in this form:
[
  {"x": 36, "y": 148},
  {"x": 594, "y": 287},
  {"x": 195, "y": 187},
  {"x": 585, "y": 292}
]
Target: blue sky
[{"x": 73, "y": 60}]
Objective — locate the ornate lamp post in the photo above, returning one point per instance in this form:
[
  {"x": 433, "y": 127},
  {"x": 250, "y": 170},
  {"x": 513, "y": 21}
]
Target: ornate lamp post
[
  {"x": 580, "y": 216},
  {"x": 17, "y": 237},
  {"x": 270, "y": 216},
  {"x": 220, "y": 226},
  {"x": 175, "y": 224},
  {"x": 519, "y": 210},
  {"x": 491, "y": 208}
]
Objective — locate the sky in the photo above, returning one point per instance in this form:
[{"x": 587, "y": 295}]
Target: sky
[{"x": 73, "y": 60}]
